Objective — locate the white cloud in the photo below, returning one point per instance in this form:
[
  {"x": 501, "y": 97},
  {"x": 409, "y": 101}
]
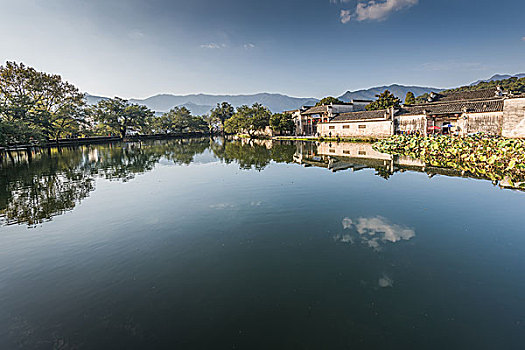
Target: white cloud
[
  {"x": 213, "y": 46},
  {"x": 249, "y": 46},
  {"x": 346, "y": 16},
  {"x": 376, "y": 10}
]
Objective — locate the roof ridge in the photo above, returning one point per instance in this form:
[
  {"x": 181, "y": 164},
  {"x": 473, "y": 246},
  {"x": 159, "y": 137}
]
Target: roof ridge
[
  {"x": 495, "y": 98},
  {"x": 375, "y": 110}
]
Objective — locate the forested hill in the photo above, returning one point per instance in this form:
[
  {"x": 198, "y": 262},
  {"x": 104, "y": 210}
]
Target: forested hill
[
  {"x": 399, "y": 91},
  {"x": 514, "y": 85}
]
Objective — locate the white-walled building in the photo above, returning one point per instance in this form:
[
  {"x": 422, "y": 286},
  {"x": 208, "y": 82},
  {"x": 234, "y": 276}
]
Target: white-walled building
[
  {"x": 307, "y": 119},
  {"x": 489, "y": 111}
]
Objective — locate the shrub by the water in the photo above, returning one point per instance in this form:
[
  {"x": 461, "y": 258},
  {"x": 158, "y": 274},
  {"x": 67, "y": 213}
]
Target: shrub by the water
[{"x": 481, "y": 155}]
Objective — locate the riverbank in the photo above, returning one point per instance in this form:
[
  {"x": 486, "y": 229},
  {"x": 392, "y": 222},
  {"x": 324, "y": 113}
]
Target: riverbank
[
  {"x": 99, "y": 139},
  {"x": 496, "y": 158}
]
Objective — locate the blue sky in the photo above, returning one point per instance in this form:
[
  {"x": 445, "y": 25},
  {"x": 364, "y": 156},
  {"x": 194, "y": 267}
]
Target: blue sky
[{"x": 301, "y": 48}]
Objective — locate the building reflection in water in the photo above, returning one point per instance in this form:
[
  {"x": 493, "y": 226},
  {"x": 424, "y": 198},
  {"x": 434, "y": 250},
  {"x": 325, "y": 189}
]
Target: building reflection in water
[
  {"x": 355, "y": 156},
  {"x": 37, "y": 185}
]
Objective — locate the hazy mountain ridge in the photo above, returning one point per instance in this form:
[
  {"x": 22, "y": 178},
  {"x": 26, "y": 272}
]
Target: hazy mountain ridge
[
  {"x": 202, "y": 103},
  {"x": 497, "y": 77},
  {"x": 398, "y": 90}
]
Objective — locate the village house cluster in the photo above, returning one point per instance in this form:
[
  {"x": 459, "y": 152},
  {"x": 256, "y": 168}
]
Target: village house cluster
[{"x": 491, "y": 111}]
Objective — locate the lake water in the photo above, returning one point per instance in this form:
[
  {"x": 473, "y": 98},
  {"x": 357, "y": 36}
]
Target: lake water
[{"x": 204, "y": 244}]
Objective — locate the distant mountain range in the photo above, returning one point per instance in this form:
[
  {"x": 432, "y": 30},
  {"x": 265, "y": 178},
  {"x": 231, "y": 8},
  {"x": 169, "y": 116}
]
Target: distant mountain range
[
  {"x": 497, "y": 77},
  {"x": 200, "y": 104},
  {"x": 398, "y": 90}
]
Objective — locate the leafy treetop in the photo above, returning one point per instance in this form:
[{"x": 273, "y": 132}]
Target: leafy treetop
[
  {"x": 282, "y": 122},
  {"x": 249, "y": 119},
  {"x": 410, "y": 99},
  {"x": 329, "y": 100},
  {"x": 384, "y": 100},
  {"x": 119, "y": 116},
  {"x": 36, "y": 105},
  {"x": 222, "y": 112}
]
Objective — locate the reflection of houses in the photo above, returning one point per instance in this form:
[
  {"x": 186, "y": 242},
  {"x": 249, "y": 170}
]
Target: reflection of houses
[
  {"x": 350, "y": 155},
  {"x": 307, "y": 119},
  {"x": 358, "y": 156},
  {"x": 354, "y": 150},
  {"x": 490, "y": 111}
]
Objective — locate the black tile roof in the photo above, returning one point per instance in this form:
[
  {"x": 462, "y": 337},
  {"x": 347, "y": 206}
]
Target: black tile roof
[
  {"x": 350, "y": 116},
  {"x": 466, "y": 95},
  {"x": 455, "y": 107},
  {"x": 316, "y": 110},
  {"x": 324, "y": 108}
]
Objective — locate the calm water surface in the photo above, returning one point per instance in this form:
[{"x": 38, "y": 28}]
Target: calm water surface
[{"x": 203, "y": 244}]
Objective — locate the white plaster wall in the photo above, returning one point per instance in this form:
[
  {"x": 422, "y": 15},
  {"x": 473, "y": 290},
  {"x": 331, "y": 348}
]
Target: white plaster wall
[
  {"x": 412, "y": 123},
  {"x": 514, "y": 118},
  {"x": 490, "y": 123},
  {"x": 379, "y": 129}
]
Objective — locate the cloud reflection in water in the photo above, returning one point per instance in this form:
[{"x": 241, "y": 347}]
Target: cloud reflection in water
[{"x": 374, "y": 231}]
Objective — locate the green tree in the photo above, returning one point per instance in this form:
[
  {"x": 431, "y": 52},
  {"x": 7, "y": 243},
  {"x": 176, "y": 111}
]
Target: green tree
[
  {"x": 222, "y": 112},
  {"x": 249, "y": 120},
  {"x": 410, "y": 99},
  {"x": 384, "y": 100},
  {"x": 38, "y": 105},
  {"x": 282, "y": 123},
  {"x": 179, "y": 120},
  {"x": 118, "y": 116},
  {"x": 329, "y": 100},
  {"x": 197, "y": 124},
  {"x": 211, "y": 123}
]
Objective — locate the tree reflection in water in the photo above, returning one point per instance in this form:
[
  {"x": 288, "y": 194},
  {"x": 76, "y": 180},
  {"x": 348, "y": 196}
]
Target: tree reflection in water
[
  {"x": 38, "y": 186},
  {"x": 32, "y": 190},
  {"x": 47, "y": 183},
  {"x": 35, "y": 187}
]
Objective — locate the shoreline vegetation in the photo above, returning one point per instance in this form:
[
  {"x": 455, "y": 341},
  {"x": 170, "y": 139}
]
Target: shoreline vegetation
[
  {"x": 38, "y": 109},
  {"x": 101, "y": 139},
  {"x": 495, "y": 158}
]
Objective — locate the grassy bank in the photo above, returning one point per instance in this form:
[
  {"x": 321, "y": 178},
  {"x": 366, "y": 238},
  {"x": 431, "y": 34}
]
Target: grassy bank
[{"x": 495, "y": 158}]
